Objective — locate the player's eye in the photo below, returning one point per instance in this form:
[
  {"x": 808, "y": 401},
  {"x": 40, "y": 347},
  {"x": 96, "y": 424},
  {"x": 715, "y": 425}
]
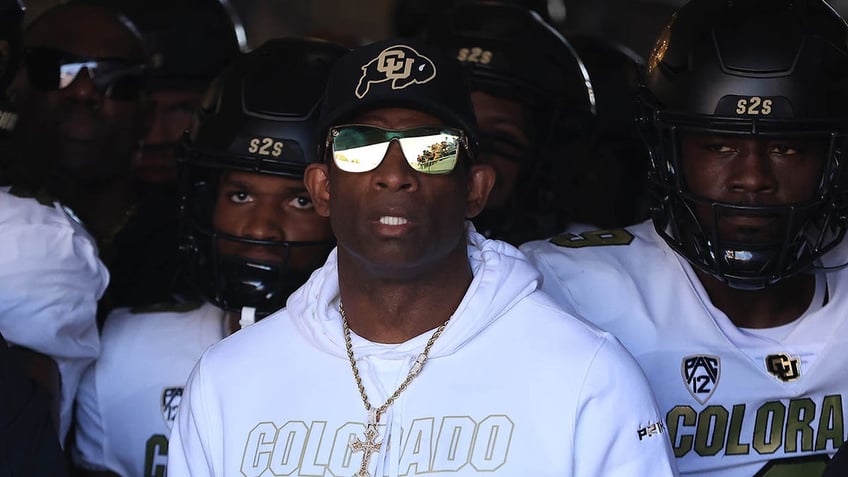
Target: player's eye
[
  {"x": 301, "y": 202},
  {"x": 783, "y": 149},
  {"x": 239, "y": 197},
  {"x": 719, "y": 148}
]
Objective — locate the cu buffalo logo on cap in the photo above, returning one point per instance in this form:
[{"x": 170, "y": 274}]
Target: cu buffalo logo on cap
[{"x": 400, "y": 65}]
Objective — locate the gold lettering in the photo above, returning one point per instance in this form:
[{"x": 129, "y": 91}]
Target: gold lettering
[
  {"x": 157, "y": 446},
  {"x": 734, "y": 433},
  {"x": 770, "y": 415},
  {"x": 754, "y": 106},
  {"x": 767, "y": 107},
  {"x": 258, "y": 449},
  {"x": 474, "y": 55},
  {"x": 713, "y": 418},
  {"x": 831, "y": 423},
  {"x": 265, "y": 146},
  {"x": 798, "y": 421},
  {"x": 394, "y": 64},
  {"x": 678, "y": 417}
]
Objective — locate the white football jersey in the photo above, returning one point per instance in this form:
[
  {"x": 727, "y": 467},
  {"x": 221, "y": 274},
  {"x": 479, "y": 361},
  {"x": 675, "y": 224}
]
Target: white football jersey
[
  {"x": 128, "y": 399},
  {"x": 736, "y": 403},
  {"x": 50, "y": 281}
]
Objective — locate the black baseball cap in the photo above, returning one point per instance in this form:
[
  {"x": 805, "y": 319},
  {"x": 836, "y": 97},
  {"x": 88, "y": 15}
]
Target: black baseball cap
[{"x": 399, "y": 73}]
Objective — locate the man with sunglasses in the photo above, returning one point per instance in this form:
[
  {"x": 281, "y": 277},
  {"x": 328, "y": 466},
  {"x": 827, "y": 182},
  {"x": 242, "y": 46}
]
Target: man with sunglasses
[
  {"x": 420, "y": 346},
  {"x": 82, "y": 96},
  {"x": 190, "y": 42}
]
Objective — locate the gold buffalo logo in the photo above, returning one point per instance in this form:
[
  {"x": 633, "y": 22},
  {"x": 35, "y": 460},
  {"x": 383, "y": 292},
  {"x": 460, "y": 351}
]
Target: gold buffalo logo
[{"x": 399, "y": 64}]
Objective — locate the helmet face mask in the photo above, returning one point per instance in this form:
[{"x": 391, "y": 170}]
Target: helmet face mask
[
  {"x": 238, "y": 134},
  {"x": 712, "y": 74},
  {"x": 690, "y": 223}
]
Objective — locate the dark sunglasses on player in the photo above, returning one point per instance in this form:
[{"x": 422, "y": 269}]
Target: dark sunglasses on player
[
  {"x": 51, "y": 69},
  {"x": 361, "y": 148}
]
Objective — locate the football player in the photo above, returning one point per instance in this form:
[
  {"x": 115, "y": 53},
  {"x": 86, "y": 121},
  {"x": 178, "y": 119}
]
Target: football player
[
  {"x": 534, "y": 106},
  {"x": 190, "y": 42},
  {"x": 252, "y": 237},
  {"x": 724, "y": 296}
]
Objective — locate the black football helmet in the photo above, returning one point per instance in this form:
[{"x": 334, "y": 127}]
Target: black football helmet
[
  {"x": 609, "y": 188},
  {"x": 189, "y": 41},
  {"x": 774, "y": 68},
  {"x": 511, "y": 52},
  {"x": 258, "y": 116}
]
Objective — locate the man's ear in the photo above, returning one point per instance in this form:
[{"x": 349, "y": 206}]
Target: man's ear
[
  {"x": 316, "y": 178},
  {"x": 481, "y": 179}
]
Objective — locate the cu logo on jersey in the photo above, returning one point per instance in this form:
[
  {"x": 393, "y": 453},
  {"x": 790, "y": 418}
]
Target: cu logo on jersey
[
  {"x": 169, "y": 404},
  {"x": 783, "y": 367},
  {"x": 400, "y": 65},
  {"x": 700, "y": 374}
]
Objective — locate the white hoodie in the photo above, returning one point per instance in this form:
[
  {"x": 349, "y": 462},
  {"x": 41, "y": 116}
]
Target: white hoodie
[{"x": 513, "y": 387}]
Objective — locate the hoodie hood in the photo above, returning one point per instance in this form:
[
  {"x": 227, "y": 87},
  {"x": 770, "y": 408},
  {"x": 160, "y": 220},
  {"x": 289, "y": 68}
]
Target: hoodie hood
[{"x": 502, "y": 277}]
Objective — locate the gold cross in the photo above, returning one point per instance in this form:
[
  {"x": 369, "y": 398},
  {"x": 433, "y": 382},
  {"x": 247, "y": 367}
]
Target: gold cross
[{"x": 368, "y": 447}]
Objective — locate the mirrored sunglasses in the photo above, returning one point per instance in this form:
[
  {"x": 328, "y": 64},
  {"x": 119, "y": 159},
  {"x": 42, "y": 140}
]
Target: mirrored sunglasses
[
  {"x": 361, "y": 148},
  {"x": 51, "y": 69}
]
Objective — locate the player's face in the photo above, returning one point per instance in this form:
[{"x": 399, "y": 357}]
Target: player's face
[
  {"x": 751, "y": 171},
  {"x": 505, "y": 141},
  {"x": 87, "y": 133},
  {"x": 172, "y": 114},
  {"x": 272, "y": 208},
  {"x": 393, "y": 218}
]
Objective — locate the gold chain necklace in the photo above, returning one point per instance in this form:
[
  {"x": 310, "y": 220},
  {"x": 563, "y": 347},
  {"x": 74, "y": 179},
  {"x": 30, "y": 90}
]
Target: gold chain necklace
[{"x": 369, "y": 446}]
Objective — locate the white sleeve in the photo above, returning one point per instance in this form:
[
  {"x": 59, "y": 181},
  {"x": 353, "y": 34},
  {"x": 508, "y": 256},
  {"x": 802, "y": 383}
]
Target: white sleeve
[
  {"x": 89, "y": 452},
  {"x": 195, "y": 449},
  {"x": 620, "y": 431},
  {"x": 50, "y": 281},
  {"x": 540, "y": 254}
]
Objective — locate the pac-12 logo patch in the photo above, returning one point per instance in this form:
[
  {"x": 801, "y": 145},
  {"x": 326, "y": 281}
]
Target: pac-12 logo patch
[
  {"x": 701, "y": 373},
  {"x": 170, "y": 402}
]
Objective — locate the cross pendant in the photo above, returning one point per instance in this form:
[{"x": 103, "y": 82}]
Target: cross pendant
[{"x": 368, "y": 447}]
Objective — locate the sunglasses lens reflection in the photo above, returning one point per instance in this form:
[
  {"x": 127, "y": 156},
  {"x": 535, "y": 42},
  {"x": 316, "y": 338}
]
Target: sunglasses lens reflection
[{"x": 427, "y": 150}]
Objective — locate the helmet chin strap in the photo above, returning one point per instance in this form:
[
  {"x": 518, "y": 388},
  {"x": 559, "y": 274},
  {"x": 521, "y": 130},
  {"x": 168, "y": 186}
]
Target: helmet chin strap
[{"x": 248, "y": 316}]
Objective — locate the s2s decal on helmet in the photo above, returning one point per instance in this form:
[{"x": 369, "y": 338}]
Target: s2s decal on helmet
[
  {"x": 474, "y": 55},
  {"x": 399, "y": 64},
  {"x": 265, "y": 146},
  {"x": 754, "y": 106}
]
